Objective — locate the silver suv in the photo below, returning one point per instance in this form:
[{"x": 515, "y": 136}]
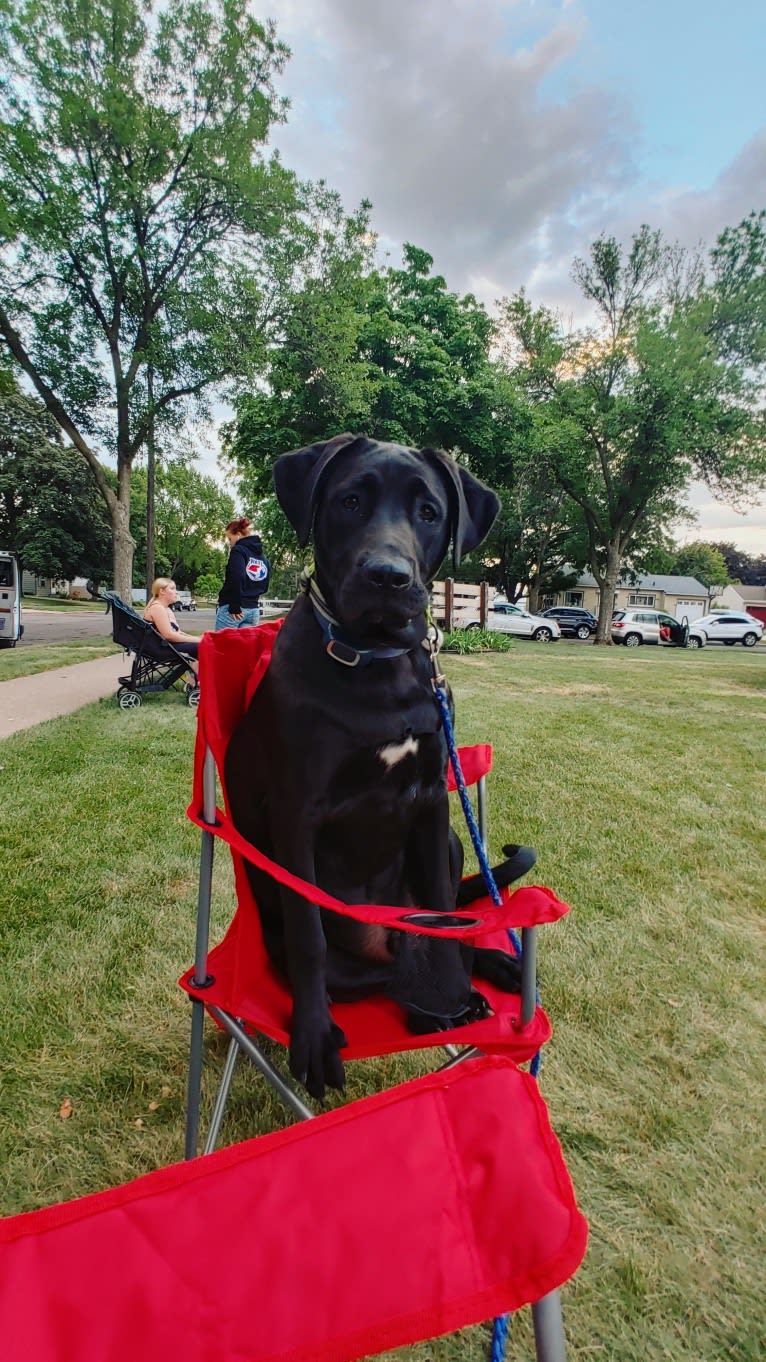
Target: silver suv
[{"x": 634, "y": 627}]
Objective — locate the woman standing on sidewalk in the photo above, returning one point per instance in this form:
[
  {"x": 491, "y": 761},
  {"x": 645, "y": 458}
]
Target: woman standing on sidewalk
[{"x": 246, "y": 580}]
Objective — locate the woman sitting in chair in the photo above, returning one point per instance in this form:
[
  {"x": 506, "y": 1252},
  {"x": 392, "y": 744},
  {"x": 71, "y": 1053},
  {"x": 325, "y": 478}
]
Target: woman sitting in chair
[{"x": 160, "y": 613}]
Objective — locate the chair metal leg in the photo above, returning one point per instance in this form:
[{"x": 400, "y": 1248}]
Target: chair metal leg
[
  {"x": 202, "y": 942},
  {"x": 528, "y": 974},
  {"x": 263, "y": 1065},
  {"x": 550, "y": 1344},
  {"x": 194, "y": 1087},
  {"x": 457, "y": 1056},
  {"x": 222, "y": 1096}
]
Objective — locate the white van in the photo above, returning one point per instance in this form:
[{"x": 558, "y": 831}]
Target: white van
[{"x": 11, "y": 627}]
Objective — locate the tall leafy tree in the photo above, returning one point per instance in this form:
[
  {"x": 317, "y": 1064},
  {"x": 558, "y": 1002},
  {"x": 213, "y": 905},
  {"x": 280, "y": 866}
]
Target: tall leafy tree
[
  {"x": 317, "y": 380},
  {"x": 741, "y": 566},
  {"x": 536, "y": 544},
  {"x": 736, "y": 304},
  {"x": 50, "y": 511},
  {"x": 191, "y": 511},
  {"x": 665, "y": 387},
  {"x": 427, "y": 351},
  {"x": 142, "y": 220},
  {"x": 537, "y": 541},
  {"x": 703, "y": 561},
  {"x": 392, "y": 352}
]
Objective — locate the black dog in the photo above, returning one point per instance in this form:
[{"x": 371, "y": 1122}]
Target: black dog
[{"x": 338, "y": 770}]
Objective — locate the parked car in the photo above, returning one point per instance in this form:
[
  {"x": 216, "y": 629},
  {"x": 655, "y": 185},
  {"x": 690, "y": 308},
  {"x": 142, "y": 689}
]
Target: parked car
[
  {"x": 730, "y": 627},
  {"x": 504, "y": 618},
  {"x": 572, "y": 619},
  {"x": 634, "y": 627},
  {"x": 184, "y": 601},
  {"x": 11, "y": 628}
]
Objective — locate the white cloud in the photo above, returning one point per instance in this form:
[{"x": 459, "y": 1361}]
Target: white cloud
[
  {"x": 718, "y": 522},
  {"x": 435, "y": 113},
  {"x": 442, "y": 112}
]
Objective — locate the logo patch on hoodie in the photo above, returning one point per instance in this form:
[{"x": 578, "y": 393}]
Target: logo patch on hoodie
[{"x": 255, "y": 569}]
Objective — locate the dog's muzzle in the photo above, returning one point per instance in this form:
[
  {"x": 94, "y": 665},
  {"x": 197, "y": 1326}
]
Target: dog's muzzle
[{"x": 389, "y": 574}]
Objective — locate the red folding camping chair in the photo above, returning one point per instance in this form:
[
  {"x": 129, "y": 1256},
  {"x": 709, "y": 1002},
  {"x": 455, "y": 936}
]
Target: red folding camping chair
[{"x": 237, "y": 986}]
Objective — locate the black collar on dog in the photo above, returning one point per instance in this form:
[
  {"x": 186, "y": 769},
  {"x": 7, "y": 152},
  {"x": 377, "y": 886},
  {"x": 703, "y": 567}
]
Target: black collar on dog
[{"x": 337, "y": 647}]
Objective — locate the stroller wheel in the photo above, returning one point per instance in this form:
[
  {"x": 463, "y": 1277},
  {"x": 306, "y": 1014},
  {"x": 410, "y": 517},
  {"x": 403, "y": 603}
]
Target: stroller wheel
[
  {"x": 192, "y": 696},
  {"x": 128, "y": 699}
]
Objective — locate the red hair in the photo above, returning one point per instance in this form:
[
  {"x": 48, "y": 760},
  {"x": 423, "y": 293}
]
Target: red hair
[{"x": 241, "y": 526}]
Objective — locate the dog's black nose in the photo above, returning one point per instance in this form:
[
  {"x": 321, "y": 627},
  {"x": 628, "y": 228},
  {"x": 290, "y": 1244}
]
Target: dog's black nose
[{"x": 391, "y": 573}]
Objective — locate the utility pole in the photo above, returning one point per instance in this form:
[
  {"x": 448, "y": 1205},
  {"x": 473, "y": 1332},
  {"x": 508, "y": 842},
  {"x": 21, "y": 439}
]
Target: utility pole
[{"x": 150, "y": 480}]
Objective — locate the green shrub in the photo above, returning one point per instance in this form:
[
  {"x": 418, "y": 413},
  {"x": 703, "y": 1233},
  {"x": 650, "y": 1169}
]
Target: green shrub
[
  {"x": 476, "y": 641},
  {"x": 207, "y": 586}
]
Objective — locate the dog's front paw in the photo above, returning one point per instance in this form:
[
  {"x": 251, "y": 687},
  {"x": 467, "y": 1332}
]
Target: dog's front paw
[
  {"x": 498, "y": 968},
  {"x": 426, "y": 1023},
  {"x": 314, "y": 1060}
]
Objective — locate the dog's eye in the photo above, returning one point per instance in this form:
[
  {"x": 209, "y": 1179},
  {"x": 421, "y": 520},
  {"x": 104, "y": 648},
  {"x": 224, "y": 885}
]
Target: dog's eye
[
  {"x": 351, "y": 503},
  {"x": 427, "y": 512}
]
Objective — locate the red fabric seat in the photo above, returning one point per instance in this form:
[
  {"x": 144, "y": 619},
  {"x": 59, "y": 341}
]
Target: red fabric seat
[{"x": 329, "y": 1240}]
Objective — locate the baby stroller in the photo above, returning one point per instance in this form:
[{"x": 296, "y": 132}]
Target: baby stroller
[{"x": 157, "y": 663}]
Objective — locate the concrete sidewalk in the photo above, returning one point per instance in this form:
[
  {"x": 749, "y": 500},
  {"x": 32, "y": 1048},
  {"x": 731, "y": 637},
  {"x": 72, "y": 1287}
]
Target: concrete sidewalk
[{"x": 29, "y": 700}]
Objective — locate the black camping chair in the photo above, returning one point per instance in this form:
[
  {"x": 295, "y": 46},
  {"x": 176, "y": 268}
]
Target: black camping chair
[{"x": 157, "y": 663}]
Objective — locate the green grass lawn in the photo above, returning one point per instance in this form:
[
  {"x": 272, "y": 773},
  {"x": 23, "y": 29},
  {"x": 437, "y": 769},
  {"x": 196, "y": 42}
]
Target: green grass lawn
[
  {"x": 59, "y": 603},
  {"x": 43, "y": 657},
  {"x": 640, "y": 780}
]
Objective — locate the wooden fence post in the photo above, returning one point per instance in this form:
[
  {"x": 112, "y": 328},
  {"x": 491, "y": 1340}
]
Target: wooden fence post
[{"x": 449, "y": 599}]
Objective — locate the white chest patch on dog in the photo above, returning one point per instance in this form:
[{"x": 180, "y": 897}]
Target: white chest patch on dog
[{"x": 394, "y": 752}]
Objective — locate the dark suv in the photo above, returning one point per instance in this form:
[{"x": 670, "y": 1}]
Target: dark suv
[{"x": 572, "y": 619}]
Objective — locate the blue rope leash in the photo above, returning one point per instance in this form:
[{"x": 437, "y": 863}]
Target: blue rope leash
[
  {"x": 478, "y": 845},
  {"x": 499, "y": 1338},
  {"x": 501, "y": 1324}
]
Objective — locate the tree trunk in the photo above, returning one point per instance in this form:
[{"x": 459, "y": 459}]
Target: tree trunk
[
  {"x": 123, "y": 542},
  {"x": 607, "y": 587},
  {"x": 534, "y": 593}
]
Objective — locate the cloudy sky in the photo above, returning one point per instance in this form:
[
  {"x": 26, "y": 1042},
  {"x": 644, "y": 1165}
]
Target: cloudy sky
[{"x": 504, "y": 135}]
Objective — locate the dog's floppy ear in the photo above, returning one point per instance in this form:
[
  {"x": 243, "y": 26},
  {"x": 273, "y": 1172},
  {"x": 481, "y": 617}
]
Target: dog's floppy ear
[
  {"x": 473, "y": 505},
  {"x": 296, "y": 480}
]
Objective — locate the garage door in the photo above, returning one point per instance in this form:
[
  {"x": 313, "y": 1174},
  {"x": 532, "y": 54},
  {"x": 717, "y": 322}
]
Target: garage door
[{"x": 691, "y": 610}]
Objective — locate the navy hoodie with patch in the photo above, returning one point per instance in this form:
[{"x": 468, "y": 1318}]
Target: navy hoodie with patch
[{"x": 247, "y": 575}]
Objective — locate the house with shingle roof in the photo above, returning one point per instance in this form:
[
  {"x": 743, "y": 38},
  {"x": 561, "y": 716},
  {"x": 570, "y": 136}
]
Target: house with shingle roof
[{"x": 681, "y": 597}]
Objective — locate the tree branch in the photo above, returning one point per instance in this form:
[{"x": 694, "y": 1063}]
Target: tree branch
[
  {"x": 55, "y": 406},
  {"x": 171, "y": 395}
]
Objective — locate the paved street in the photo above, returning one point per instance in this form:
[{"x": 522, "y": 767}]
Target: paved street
[{"x": 58, "y": 626}]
